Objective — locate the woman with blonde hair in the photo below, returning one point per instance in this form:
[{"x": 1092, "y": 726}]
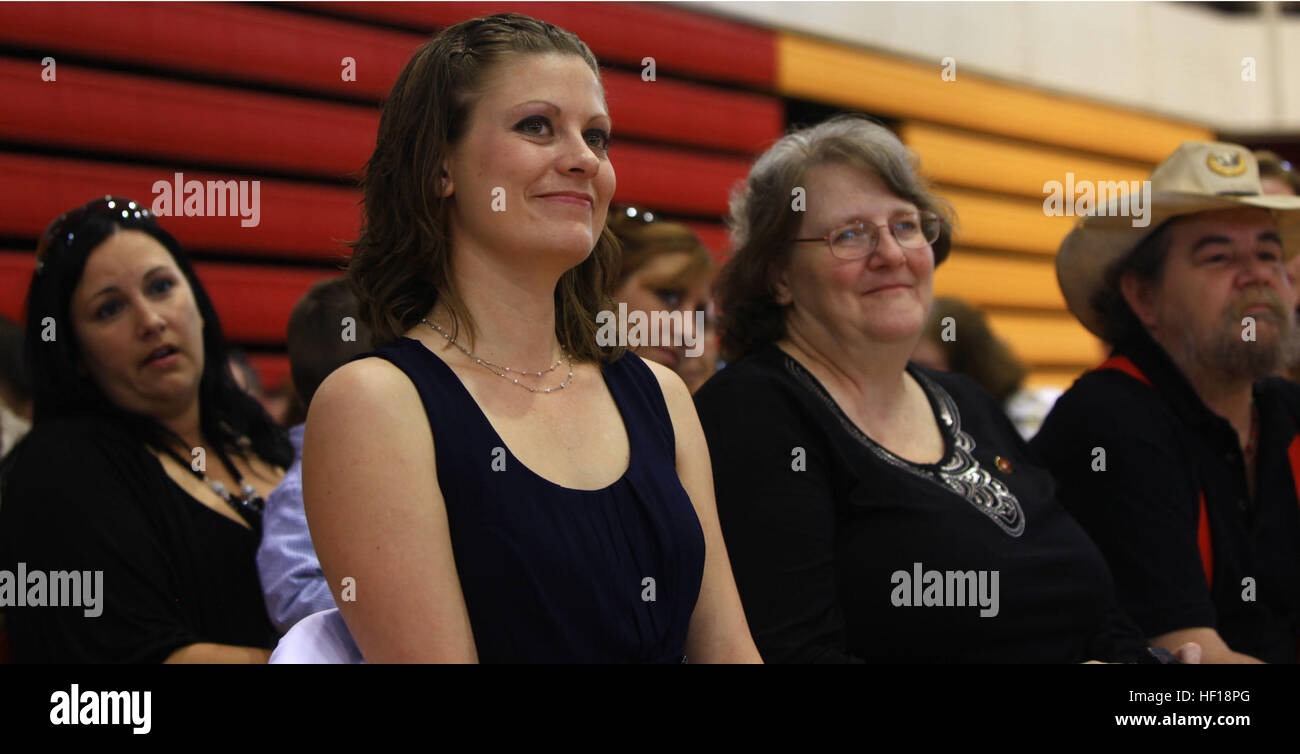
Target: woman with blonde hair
[{"x": 667, "y": 269}]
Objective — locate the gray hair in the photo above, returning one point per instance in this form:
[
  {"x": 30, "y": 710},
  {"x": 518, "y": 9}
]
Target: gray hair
[{"x": 763, "y": 222}]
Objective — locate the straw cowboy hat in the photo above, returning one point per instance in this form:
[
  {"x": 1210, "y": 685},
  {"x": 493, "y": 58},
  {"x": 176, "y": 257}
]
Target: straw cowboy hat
[{"x": 1200, "y": 176}]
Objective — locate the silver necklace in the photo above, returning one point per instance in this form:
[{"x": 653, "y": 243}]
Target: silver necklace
[
  {"x": 249, "y": 506},
  {"x": 493, "y": 367}
]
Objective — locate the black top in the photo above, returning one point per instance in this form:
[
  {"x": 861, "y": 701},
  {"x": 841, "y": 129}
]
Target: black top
[
  {"x": 82, "y": 495},
  {"x": 1163, "y": 447},
  {"x": 553, "y": 574},
  {"x": 826, "y": 529}
]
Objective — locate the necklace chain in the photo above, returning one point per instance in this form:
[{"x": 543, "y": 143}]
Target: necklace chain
[
  {"x": 248, "y": 506},
  {"x": 494, "y": 367}
]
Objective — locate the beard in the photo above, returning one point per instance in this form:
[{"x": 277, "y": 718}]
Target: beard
[{"x": 1226, "y": 351}]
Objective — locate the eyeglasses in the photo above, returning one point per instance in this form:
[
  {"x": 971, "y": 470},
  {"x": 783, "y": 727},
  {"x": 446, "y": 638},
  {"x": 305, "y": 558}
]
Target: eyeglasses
[
  {"x": 63, "y": 230},
  {"x": 913, "y": 230}
]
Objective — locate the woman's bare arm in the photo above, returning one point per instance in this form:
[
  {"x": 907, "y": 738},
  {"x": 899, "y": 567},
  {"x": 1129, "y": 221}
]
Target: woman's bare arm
[
  {"x": 377, "y": 517},
  {"x": 218, "y": 654},
  {"x": 718, "y": 631}
]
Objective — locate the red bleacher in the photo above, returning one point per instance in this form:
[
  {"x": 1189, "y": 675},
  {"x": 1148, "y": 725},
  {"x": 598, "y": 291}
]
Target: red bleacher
[{"x": 237, "y": 92}]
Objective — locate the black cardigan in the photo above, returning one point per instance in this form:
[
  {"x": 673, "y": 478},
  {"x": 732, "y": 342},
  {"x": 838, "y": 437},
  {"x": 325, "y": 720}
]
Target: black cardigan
[
  {"x": 80, "y": 494},
  {"x": 826, "y": 556}
]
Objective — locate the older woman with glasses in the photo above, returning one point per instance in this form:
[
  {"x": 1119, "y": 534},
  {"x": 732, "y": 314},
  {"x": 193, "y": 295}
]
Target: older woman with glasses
[
  {"x": 875, "y": 510},
  {"x": 136, "y": 496}
]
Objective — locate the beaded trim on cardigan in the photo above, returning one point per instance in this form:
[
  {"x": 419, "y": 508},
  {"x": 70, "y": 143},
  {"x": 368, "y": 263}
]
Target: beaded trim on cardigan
[{"x": 958, "y": 472}]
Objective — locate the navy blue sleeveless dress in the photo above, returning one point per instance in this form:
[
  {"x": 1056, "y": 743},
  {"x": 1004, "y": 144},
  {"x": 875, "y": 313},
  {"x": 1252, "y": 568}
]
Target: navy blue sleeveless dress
[{"x": 553, "y": 574}]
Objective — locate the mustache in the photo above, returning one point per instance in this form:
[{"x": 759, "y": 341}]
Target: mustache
[{"x": 1266, "y": 298}]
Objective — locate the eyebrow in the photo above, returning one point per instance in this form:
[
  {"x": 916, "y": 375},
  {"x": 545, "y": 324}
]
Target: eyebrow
[
  {"x": 1265, "y": 235},
  {"x": 857, "y": 218},
  {"x": 114, "y": 288},
  {"x": 556, "y": 108}
]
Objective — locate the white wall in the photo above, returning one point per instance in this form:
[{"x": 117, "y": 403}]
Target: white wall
[{"x": 1172, "y": 59}]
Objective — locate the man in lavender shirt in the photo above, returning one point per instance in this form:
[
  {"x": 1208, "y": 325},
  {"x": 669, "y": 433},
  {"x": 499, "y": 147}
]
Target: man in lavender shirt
[{"x": 325, "y": 331}]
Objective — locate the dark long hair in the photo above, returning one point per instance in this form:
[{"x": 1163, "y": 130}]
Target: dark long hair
[
  {"x": 228, "y": 417},
  {"x": 401, "y": 264}
]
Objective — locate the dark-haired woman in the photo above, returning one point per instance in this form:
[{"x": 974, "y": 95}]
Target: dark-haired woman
[
  {"x": 145, "y": 468},
  {"x": 494, "y": 483}
]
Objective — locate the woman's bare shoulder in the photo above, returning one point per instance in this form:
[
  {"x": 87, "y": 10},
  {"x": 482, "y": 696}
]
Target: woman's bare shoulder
[
  {"x": 372, "y": 381},
  {"x": 681, "y": 407},
  {"x": 676, "y": 394},
  {"x": 370, "y": 395}
]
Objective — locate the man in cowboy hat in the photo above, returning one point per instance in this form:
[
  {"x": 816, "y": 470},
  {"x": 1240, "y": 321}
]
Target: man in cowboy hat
[{"x": 1178, "y": 455}]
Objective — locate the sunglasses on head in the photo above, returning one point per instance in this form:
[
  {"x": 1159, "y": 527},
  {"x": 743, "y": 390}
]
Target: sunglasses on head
[
  {"x": 636, "y": 213},
  {"x": 62, "y": 232}
]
